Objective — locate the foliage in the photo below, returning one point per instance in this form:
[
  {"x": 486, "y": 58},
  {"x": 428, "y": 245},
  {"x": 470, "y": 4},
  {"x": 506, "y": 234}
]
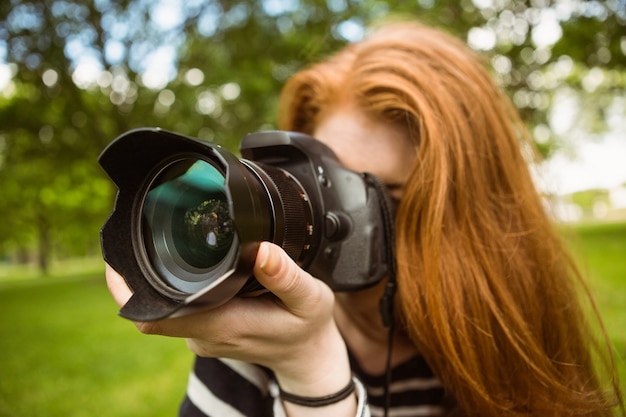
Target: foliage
[
  {"x": 77, "y": 74},
  {"x": 588, "y": 198}
]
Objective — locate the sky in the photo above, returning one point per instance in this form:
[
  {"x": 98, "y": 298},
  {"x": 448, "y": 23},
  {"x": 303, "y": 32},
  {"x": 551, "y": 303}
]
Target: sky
[
  {"x": 597, "y": 164},
  {"x": 591, "y": 160}
]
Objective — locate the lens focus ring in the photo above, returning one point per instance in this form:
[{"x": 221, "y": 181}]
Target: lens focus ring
[{"x": 296, "y": 224}]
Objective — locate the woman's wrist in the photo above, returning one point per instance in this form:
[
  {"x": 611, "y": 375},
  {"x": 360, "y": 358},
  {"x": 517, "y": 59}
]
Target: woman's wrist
[
  {"x": 327, "y": 392},
  {"x": 321, "y": 370},
  {"x": 322, "y": 401},
  {"x": 355, "y": 404}
]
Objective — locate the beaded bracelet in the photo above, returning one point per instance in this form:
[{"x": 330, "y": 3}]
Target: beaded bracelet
[{"x": 318, "y": 401}]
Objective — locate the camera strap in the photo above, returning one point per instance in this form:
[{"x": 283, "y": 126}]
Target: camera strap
[{"x": 386, "y": 304}]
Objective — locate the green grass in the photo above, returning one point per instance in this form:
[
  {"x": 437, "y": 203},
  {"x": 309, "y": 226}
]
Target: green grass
[
  {"x": 63, "y": 351},
  {"x": 600, "y": 250}
]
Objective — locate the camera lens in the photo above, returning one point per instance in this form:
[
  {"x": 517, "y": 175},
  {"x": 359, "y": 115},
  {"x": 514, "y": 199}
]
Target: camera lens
[{"x": 189, "y": 234}]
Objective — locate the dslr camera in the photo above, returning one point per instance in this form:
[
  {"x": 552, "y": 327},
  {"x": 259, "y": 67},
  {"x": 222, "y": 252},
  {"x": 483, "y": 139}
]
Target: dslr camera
[{"x": 189, "y": 217}]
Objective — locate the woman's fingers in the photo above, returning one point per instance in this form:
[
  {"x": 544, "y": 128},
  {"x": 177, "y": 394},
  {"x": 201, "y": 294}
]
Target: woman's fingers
[
  {"x": 293, "y": 318},
  {"x": 298, "y": 301},
  {"x": 117, "y": 286},
  {"x": 284, "y": 278}
]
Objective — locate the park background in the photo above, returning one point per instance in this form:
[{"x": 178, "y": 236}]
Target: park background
[{"x": 76, "y": 74}]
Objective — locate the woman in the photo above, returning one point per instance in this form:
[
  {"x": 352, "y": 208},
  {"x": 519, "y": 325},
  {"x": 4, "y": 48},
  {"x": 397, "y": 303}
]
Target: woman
[{"x": 488, "y": 319}]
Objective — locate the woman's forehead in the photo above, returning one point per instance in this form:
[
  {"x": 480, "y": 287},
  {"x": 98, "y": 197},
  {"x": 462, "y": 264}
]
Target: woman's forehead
[{"x": 366, "y": 145}]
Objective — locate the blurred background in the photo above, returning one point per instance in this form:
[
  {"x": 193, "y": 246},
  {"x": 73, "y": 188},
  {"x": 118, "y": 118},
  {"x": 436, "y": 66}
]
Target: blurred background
[{"x": 76, "y": 74}]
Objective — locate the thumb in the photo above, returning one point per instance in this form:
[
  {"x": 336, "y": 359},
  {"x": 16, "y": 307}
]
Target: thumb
[{"x": 277, "y": 272}]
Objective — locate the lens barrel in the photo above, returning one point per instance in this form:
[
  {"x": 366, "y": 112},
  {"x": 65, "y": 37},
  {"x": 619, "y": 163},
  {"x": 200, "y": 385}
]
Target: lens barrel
[
  {"x": 189, "y": 234},
  {"x": 291, "y": 209}
]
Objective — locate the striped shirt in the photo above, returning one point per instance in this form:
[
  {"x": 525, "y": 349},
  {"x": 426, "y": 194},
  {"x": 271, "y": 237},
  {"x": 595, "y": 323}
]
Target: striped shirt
[{"x": 229, "y": 388}]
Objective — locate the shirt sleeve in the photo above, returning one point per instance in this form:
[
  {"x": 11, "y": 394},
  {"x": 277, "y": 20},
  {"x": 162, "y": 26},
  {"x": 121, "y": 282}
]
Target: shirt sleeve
[{"x": 225, "y": 387}]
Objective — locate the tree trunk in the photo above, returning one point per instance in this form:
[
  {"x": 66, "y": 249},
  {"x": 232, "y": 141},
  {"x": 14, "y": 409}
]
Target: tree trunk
[{"x": 44, "y": 244}]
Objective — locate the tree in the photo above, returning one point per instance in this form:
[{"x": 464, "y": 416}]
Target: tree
[{"x": 81, "y": 73}]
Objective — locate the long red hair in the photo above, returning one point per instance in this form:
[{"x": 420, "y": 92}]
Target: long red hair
[{"x": 487, "y": 290}]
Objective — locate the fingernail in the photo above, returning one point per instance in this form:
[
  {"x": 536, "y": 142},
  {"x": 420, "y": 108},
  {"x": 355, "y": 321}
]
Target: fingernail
[{"x": 263, "y": 255}]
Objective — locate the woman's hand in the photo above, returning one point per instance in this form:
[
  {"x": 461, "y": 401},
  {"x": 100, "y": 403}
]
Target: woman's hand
[{"x": 290, "y": 330}]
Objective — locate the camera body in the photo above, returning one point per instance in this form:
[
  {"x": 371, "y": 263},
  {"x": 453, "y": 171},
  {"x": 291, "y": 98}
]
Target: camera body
[{"x": 189, "y": 217}]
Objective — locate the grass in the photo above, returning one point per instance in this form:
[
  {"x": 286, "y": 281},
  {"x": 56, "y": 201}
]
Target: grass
[
  {"x": 600, "y": 250},
  {"x": 64, "y": 353}
]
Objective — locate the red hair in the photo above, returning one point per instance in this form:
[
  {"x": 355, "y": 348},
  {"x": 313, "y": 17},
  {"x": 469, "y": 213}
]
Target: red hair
[{"x": 488, "y": 293}]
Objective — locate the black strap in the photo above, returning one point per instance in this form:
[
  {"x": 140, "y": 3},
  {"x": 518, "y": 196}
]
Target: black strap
[
  {"x": 319, "y": 401},
  {"x": 387, "y": 300}
]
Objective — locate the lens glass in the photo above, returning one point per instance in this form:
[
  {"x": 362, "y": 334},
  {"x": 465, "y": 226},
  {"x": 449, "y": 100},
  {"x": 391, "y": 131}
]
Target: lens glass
[
  {"x": 203, "y": 232},
  {"x": 188, "y": 230}
]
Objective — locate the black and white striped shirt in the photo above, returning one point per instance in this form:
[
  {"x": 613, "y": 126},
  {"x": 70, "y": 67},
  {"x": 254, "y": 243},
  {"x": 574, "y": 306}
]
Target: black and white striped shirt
[{"x": 228, "y": 388}]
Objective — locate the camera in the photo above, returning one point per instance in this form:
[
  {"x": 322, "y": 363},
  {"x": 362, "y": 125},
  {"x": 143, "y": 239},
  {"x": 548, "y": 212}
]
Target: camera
[{"x": 189, "y": 217}]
